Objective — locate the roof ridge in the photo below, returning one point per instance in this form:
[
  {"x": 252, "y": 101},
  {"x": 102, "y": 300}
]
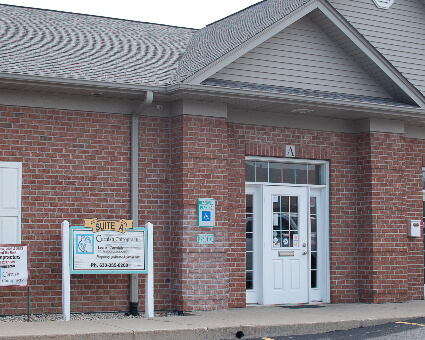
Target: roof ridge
[{"x": 230, "y": 15}]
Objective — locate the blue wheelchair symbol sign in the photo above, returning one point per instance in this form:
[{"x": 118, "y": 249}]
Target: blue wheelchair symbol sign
[{"x": 206, "y": 216}]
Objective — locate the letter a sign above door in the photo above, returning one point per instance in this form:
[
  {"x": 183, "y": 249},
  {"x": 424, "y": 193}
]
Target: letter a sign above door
[{"x": 383, "y": 3}]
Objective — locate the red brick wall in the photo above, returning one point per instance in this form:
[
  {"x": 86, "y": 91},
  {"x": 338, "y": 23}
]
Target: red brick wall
[
  {"x": 382, "y": 225},
  {"x": 340, "y": 150},
  {"x": 199, "y": 162},
  {"x": 414, "y": 161},
  {"x": 76, "y": 166}
]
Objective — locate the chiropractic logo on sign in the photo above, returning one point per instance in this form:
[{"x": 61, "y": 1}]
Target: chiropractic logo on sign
[{"x": 206, "y": 212}]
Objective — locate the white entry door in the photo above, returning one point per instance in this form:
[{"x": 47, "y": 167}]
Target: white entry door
[{"x": 285, "y": 241}]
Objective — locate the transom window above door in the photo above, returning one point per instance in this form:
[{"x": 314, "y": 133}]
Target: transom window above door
[{"x": 284, "y": 172}]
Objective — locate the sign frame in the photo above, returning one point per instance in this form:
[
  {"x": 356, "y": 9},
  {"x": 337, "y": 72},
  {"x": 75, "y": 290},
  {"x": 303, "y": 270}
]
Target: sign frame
[
  {"x": 27, "y": 267},
  {"x": 101, "y": 270},
  {"x": 203, "y": 202}
]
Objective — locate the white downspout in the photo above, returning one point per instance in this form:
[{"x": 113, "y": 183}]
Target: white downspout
[{"x": 134, "y": 278}]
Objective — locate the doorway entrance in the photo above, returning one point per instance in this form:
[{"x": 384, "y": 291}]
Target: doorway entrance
[{"x": 287, "y": 239}]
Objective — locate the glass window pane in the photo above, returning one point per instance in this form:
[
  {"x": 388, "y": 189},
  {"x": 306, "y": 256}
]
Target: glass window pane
[
  {"x": 276, "y": 205},
  {"x": 276, "y": 239},
  {"x": 313, "y": 279},
  {"x": 249, "y": 224},
  {"x": 249, "y": 280},
  {"x": 249, "y": 171},
  {"x": 288, "y": 173},
  {"x": 249, "y": 246},
  {"x": 294, "y": 223},
  {"x": 294, "y": 204},
  {"x": 313, "y": 224},
  {"x": 314, "y": 242},
  {"x": 275, "y": 172},
  {"x": 285, "y": 221},
  {"x": 249, "y": 263},
  {"x": 312, "y": 205},
  {"x": 284, "y": 204},
  {"x": 248, "y": 199},
  {"x": 301, "y": 174},
  {"x": 314, "y": 174},
  {"x": 261, "y": 171},
  {"x": 313, "y": 260},
  {"x": 285, "y": 240}
]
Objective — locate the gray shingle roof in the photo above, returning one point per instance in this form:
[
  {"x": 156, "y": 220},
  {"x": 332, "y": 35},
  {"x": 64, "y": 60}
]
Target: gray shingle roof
[
  {"x": 74, "y": 46},
  {"x": 219, "y": 38}
]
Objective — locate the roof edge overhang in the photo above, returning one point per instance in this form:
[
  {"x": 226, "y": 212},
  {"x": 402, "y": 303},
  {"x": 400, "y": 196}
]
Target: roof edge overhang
[
  {"x": 78, "y": 84},
  {"x": 225, "y": 93},
  {"x": 174, "y": 92},
  {"x": 332, "y": 14}
]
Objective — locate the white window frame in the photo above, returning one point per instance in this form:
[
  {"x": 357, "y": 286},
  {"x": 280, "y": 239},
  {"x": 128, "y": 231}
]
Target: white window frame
[{"x": 15, "y": 212}]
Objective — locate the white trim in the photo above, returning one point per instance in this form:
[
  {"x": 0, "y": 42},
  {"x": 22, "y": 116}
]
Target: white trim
[
  {"x": 322, "y": 193},
  {"x": 15, "y": 212},
  {"x": 255, "y": 295}
]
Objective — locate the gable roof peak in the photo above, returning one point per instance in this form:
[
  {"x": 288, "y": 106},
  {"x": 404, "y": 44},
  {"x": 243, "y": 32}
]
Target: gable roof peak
[{"x": 219, "y": 38}]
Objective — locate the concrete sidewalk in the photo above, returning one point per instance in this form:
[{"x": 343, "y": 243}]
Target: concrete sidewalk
[{"x": 253, "y": 321}]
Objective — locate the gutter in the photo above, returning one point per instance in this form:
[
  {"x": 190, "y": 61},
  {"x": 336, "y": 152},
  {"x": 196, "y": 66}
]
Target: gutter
[
  {"x": 134, "y": 196},
  {"x": 229, "y": 93}
]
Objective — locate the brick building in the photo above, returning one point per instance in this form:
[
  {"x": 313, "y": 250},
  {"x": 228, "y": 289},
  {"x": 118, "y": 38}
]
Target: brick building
[{"x": 303, "y": 119}]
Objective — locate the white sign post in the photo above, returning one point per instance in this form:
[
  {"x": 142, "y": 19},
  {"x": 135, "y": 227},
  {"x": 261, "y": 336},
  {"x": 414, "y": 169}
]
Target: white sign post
[
  {"x": 107, "y": 252},
  {"x": 66, "y": 277}
]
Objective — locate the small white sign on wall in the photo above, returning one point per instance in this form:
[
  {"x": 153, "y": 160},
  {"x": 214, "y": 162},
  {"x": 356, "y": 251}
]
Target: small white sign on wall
[
  {"x": 290, "y": 151},
  {"x": 206, "y": 212}
]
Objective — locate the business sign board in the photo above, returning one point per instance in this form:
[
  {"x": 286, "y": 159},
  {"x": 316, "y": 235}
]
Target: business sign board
[
  {"x": 14, "y": 265},
  {"x": 108, "y": 251},
  {"x": 206, "y": 212}
]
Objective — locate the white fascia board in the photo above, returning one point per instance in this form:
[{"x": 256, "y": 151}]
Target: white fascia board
[
  {"x": 372, "y": 53},
  {"x": 247, "y": 46},
  {"x": 213, "y": 91}
]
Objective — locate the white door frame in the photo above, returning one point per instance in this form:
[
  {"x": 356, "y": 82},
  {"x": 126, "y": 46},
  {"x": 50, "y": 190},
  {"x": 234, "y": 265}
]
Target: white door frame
[{"x": 321, "y": 293}]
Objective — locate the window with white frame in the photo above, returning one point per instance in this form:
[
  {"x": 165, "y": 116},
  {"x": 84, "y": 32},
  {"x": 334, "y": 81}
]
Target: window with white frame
[
  {"x": 10, "y": 202},
  {"x": 423, "y": 211}
]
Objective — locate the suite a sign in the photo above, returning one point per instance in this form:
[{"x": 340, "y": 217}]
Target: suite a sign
[{"x": 107, "y": 251}]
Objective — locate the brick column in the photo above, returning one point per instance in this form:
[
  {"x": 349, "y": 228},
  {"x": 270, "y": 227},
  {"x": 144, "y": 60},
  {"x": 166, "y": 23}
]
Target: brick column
[
  {"x": 199, "y": 163},
  {"x": 382, "y": 235}
]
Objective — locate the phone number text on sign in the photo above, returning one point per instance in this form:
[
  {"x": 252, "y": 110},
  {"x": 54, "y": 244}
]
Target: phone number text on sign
[{"x": 107, "y": 251}]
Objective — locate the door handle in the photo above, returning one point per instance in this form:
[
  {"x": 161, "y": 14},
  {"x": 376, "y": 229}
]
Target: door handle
[{"x": 304, "y": 252}]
